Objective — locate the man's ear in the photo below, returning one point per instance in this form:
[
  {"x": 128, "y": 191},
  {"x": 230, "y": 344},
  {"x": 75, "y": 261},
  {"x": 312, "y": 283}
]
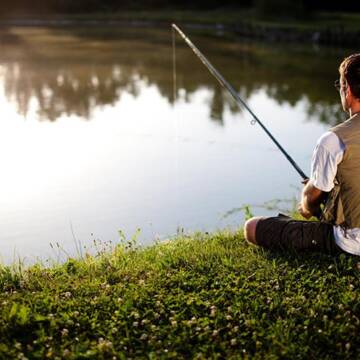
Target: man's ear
[
  {"x": 348, "y": 90},
  {"x": 348, "y": 93}
]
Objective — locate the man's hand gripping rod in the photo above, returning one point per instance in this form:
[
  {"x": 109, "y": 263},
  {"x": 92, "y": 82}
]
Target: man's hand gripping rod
[{"x": 236, "y": 97}]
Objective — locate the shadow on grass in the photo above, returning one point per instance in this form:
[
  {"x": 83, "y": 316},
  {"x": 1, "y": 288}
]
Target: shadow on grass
[{"x": 342, "y": 263}]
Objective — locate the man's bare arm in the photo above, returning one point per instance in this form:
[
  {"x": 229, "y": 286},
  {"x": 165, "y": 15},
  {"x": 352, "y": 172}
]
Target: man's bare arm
[{"x": 311, "y": 198}]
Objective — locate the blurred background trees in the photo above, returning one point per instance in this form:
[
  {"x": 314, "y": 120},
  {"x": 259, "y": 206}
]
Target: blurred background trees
[
  {"x": 277, "y": 8},
  {"x": 281, "y": 8}
]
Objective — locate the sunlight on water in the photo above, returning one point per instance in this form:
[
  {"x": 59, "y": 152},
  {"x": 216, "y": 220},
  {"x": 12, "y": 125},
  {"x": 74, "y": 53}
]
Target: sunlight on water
[{"x": 88, "y": 150}]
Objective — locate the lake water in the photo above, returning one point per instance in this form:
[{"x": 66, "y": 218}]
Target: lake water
[{"x": 93, "y": 142}]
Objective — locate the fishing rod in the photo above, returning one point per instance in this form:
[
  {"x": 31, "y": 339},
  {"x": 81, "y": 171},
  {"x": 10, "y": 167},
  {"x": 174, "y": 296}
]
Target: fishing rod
[{"x": 236, "y": 97}]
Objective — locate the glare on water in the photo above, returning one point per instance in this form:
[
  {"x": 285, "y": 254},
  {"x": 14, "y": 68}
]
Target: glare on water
[{"x": 91, "y": 141}]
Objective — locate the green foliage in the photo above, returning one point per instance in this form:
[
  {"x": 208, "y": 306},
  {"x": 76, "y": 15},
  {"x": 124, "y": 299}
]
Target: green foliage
[
  {"x": 248, "y": 213},
  {"x": 87, "y": 6},
  {"x": 197, "y": 296},
  {"x": 280, "y": 8},
  {"x": 19, "y": 314}
]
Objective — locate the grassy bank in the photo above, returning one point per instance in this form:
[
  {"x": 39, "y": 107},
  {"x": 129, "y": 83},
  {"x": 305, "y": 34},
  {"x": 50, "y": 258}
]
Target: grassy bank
[{"x": 208, "y": 295}]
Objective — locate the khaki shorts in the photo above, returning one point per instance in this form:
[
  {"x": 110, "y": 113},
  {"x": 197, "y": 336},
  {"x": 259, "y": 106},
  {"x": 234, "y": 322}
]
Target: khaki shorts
[{"x": 283, "y": 233}]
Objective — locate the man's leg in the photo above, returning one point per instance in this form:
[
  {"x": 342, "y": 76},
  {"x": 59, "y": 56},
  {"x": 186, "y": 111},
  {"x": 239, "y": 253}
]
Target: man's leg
[
  {"x": 250, "y": 229},
  {"x": 283, "y": 232}
]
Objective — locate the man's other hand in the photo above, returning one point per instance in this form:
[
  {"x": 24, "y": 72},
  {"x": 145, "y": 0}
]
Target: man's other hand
[
  {"x": 304, "y": 213},
  {"x": 305, "y": 181},
  {"x": 310, "y": 200}
]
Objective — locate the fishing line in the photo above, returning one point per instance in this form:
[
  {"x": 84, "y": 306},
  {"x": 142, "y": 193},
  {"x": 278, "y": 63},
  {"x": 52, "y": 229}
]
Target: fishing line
[
  {"x": 236, "y": 97},
  {"x": 176, "y": 122},
  {"x": 174, "y": 66}
]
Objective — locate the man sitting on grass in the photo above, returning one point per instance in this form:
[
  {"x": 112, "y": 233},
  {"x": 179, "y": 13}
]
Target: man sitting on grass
[{"x": 335, "y": 176}]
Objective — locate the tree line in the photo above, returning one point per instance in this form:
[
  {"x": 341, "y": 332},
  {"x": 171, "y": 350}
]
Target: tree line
[
  {"x": 123, "y": 67},
  {"x": 263, "y": 7}
]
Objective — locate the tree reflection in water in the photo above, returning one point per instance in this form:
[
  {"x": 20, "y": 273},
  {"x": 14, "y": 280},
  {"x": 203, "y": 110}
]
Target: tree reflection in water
[{"x": 73, "y": 71}]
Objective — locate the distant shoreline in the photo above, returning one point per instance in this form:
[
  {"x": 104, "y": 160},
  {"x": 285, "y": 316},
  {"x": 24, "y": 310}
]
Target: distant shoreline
[{"x": 328, "y": 32}]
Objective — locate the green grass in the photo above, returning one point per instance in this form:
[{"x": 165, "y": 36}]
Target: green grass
[{"x": 198, "y": 296}]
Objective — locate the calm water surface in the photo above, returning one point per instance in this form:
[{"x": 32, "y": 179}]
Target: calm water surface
[{"x": 92, "y": 140}]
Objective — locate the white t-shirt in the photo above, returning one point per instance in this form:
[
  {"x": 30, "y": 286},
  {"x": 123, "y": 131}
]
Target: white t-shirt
[{"x": 327, "y": 155}]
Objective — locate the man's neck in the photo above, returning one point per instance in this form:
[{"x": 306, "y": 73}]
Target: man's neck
[{"x": 354, "y": 109}]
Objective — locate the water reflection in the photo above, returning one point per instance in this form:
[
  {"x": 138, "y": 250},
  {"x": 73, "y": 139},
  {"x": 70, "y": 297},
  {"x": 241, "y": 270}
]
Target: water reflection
[
  {"x": 74, "y": 71},
  {"x": 143, "y": 161}
]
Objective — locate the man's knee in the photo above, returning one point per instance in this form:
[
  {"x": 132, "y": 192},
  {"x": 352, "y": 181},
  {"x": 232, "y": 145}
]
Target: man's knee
[{"x": 250, "y": 229}]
